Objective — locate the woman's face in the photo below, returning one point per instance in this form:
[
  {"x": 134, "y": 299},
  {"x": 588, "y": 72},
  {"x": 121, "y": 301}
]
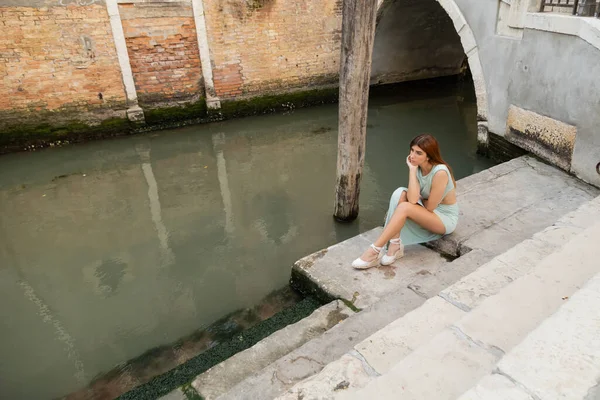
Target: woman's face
[{"x": 417, "y": 156}]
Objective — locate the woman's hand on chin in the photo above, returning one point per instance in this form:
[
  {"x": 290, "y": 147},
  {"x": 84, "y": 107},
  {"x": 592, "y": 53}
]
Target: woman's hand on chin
[{"x": 411, "y": 167}]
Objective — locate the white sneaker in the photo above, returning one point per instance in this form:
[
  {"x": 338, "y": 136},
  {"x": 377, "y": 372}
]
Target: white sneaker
[
  {"x": 389, "y": 260},
  {"x": 359, "y": 263}
]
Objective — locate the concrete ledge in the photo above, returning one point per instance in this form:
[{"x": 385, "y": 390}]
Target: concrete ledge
[
  {"x": 313, "y": 356},
  {"x": 222, "y": 377},
  {"x": 587, "y": 29},
  {"x": 496, "y": 387},
  {"x": 328, "y": 273}
]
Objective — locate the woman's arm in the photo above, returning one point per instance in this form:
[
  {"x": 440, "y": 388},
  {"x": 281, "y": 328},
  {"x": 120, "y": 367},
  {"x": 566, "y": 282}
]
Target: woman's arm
[
  {"x": 414, "y": 189},
  {"x": 438, "y": 185}
]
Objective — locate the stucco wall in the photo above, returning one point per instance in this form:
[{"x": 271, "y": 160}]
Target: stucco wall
[{"x": 554, "y": 75}]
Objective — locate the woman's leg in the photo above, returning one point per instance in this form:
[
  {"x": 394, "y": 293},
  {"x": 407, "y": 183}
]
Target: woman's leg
[
  {"x": 417, "y": 213},
  {"x": 393, "y": 247},
  {"x": 399, "y": 196}
]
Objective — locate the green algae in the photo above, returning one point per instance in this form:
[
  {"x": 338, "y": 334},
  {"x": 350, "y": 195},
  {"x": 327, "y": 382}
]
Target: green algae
[
  {"x": 31, "y": 136},
  {"x": 186, "y": 372}
]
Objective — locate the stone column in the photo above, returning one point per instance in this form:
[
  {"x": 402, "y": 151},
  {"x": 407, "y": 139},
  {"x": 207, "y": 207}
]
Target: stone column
[
  {"x": 358, "y": 35},
  {"x": 134, "y": 112},
  {"x": 212, "y": 101}
]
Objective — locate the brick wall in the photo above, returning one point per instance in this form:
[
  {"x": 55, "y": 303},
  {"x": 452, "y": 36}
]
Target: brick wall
[
  {"x": 58, "y": 63},
  {"x": 163, "y": 51},
  {"x": 264, "y": 46}
]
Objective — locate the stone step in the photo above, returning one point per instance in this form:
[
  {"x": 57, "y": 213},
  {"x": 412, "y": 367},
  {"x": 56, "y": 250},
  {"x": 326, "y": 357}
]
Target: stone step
[
  {"x": 310, "y": 358},
  {"x": 560, "y": 359},
  {"x": 391, "y": 344},
  {"x": 458, "y": 357},
  {"x": 222, "y": 377}
]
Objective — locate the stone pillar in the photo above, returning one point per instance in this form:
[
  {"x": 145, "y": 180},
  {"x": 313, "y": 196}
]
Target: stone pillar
[
  {"x": 358, "y": 35},
  {"x": 134, "y": 112},
  {"x": 212, "y": 101}
]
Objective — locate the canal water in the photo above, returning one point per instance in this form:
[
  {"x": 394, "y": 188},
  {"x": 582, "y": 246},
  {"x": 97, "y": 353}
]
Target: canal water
[{"x": 113, "y": 248}]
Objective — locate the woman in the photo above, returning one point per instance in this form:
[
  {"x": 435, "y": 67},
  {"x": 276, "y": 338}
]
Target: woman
[{"x": 424, "y": 211}]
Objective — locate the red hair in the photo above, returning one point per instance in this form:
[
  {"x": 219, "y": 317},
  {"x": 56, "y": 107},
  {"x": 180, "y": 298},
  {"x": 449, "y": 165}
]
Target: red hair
[{"x": 431, "y": 147}]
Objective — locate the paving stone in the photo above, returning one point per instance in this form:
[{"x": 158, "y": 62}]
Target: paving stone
[
  {"x": 510, "y": 166},
  {"x": 312, "y": 357},
  {"x": 471, "y": 182},
  {"x": 587, "y": 214},
  {"x": 561, "y": 358},
  {"x": 429, "y": 285},
  {"x": 222, "y": 377},
  {"x": 557, "y": 235},
  {"x": 346, "y": 373},
  {"x": 490, "y": 278},
  {"x": 496, "y": 387},
  {"x": 442, "y": 369},
  {"x": 391, "y": 344},
  {"x": 331, "y": 270}
]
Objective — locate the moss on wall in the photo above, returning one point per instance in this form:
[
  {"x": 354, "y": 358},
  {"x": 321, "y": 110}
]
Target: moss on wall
[
  {"x": 278, "y": 102},
  {"x": 35, "y": 136},
  {"x": 164, "y": 115}
]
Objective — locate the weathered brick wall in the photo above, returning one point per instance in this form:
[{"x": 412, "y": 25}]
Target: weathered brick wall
[
  {"x": 58, "y": 63},
  {"x": 263, "y": 46},
  {"x": 163, "y": 51}
]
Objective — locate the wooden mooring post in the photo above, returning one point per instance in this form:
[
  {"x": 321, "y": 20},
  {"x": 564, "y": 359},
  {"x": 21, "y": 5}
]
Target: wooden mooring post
[{"x": 358, "y": 35}]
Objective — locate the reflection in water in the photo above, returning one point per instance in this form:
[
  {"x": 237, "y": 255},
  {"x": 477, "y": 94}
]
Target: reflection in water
[
  {"x": 166, "y": 253},
  {"x": 218, "y": 141},
  {"x": 113, "y": 248}
]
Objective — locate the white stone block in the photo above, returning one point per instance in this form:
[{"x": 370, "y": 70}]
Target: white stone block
[
  {"x": 490, "y": 278},
  {"x": 561, "y": 358},
  {"x": 479, "y": 83},
  {"x": 347, "y": 373},
  {"x": 558, "y": 235},
  {"x": 454, "y": 12},
  {"x": 503, "y": 320},
  {"x": 496, "y": 387},
  {"x": 391, "y": 344},
  {"x": 442, "y": 369},
  {"x": 468, "y": 40}
]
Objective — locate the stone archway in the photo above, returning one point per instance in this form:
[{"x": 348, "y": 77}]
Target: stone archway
[{"x": 469, "y": 46}]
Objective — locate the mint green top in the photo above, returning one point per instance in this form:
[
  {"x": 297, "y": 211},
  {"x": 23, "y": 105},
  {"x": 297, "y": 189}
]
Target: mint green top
[{"x": 426, "y": 181}]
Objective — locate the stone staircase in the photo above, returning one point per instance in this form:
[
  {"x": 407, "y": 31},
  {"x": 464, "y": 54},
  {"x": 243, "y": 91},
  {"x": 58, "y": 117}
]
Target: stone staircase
[
  {"x": 428, "y": 327},
  {"x": 443, "y": 348}
]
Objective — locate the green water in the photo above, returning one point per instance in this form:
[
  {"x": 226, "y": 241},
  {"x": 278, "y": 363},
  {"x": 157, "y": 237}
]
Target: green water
[{"x": 115, "y": 247}]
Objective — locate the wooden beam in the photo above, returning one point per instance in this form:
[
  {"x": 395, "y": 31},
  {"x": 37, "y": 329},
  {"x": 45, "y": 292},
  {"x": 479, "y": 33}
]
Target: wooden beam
[{"x": 358, "y": 35}]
